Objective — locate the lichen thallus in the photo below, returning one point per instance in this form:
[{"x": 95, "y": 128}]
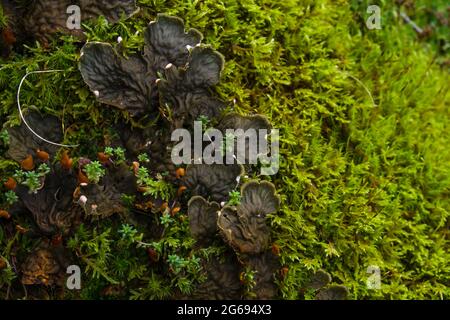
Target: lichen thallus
[{"x": 23, "y": 118}]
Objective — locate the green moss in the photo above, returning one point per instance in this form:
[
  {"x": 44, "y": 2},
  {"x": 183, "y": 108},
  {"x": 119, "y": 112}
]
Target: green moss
[
  {"x": 3, "y": 18},
  {"x": 363, "y": 118}
]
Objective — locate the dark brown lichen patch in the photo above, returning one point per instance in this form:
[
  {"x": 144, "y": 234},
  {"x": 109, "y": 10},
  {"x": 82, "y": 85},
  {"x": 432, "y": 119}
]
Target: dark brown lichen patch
[
  {"x": 259, "y": 199},
  {"x": 46, "y": 266},
  {"x": 214, "y": 181},
  {"x": 105, "y": 199},
  {"x": 185, "y": 90},
  {"x": 102, "y": 201},
  {"x": 244, "y": 227},
  {"x": 205, "y": 66},
  {"x": 203, "y": 218},
  {"x": 44, "y": 18},
  {"x": 319, "y": 285},
  {"x": 265, "y": 267},
  {"x": 112, "y": 10},
  {"x": 248, "y": 234},
  {"x": 134, "y": 140},
  {"x": 222, "y": 280},
  {"x": 250, "y": 136},
  {"x": 52, "y": 207},
  {"x": 334, "y": 292},
  {"x": 236, "y": 121},
  {"x": 167, "y": 42},
  {"x": 188, "y": 106},
  {"x": 320, "y": 279},
  {"x": 24, "y": 143},
  {"x": 122, "y": 178},
  {"x": 188, "y": 72},
  {"x": 116, "y": 81}
]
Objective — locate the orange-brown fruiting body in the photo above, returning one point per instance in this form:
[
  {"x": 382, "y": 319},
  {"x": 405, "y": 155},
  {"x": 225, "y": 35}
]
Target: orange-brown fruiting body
[
  {"x": 66, "y": 161},
  {"x": 180, "y": 173},
  {"x": 28, "y": 163},
  {"x": 163, "y": 207},
  {"x": 175, "y": 211},
  {"x": 4, "y": 214},
  {"x": 181, "y": 190},
  {"x": 82, "y": 178},
  {"x": 154, "y": 256},
  {"x": 102, "y": 157},
  {"x": 21, "y": 229},
  {"x": 284, "y": 271},
  {"x": 42, "y": 155},
  {"x": 135, "y": 167},
  {"x": 8, "y": 36},
  {"x": 142, "y": 189},
  {"x": 242, "y": 277},
  {"x": 10, "y": 184},
  {"x": 3, "y": 264},
  {"x": 276, "y": 249}
]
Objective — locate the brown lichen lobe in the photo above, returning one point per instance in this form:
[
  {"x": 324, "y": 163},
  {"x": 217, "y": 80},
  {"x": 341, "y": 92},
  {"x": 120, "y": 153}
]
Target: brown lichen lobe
[
  {"x": 44, "y": 18},
  {"x": 46, "y": 265},
  {"x": 244, "y": 226}
]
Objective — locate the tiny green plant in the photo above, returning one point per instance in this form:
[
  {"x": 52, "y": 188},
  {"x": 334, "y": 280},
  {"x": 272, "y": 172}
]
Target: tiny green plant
[
  {"x": 118, "y": 154},
  {"x": 143, "y": 158},
  {"x": 128, "y": 200},
  {"x": 4, "y": 137},
  {"x": 157, "y": 188},
  {"x": 130, "y": 234},
  {"x": 205, "y": 121},
  {"x": 142, "y": 175},
  {"x": 94, "y": 248},
  {"x": 43, "y": 169},
  {"x": 247, "y": 277},
  {"x": 33, "y": 179},
  {"x": 235, "y": 198},
  {"x": 156, "y": 288},
  {"x": 3, "y": 18},
  {"x": 94, "y": 171},
  {"x": 11, "y": 197},
  {"x": 109, "y": 151},
  {"x": 176, "y": 262},
  {"x": 127, "y": 231},
  {"x": 166, "y": 219}
]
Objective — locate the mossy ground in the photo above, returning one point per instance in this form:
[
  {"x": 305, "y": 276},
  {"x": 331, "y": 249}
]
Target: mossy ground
[{"x": 363, "y": 118}]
